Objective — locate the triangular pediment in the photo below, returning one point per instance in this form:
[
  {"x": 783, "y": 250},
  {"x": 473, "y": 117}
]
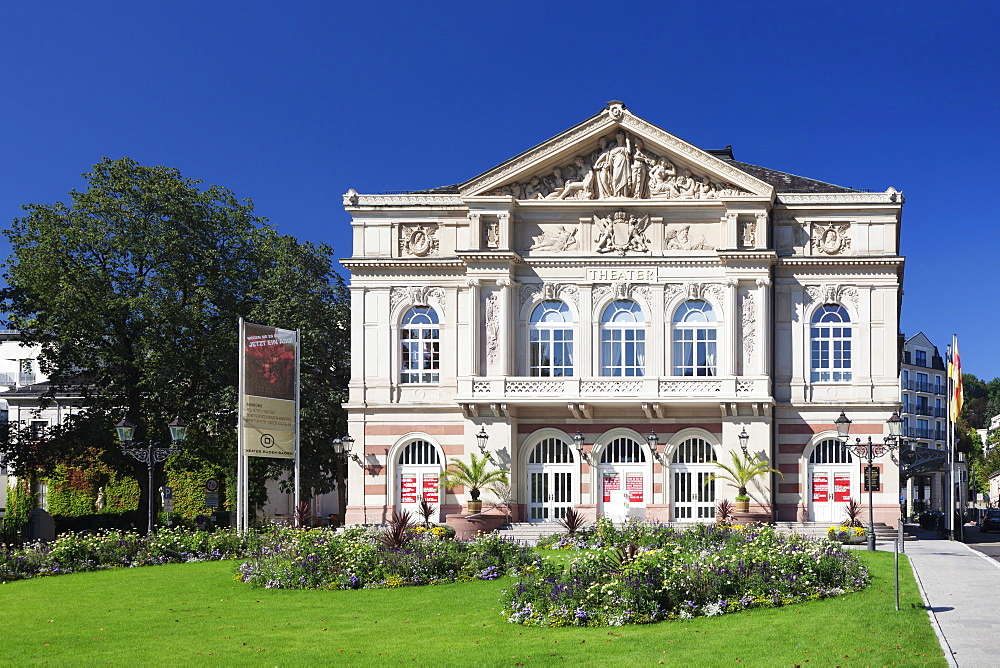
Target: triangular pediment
[{"x": 616, "y": 156}]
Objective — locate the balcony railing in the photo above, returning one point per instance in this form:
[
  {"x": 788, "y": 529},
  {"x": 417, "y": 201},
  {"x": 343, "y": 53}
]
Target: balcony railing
[{"x": 667, "y": 387}]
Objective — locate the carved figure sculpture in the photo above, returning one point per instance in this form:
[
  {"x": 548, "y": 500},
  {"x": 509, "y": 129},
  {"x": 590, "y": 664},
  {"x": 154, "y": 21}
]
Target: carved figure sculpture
[
  {"x": 681, "y": 239},
  {"x": 492, "y": 327},
  {"x": 624, "y": 168},
  {"x": 556, "y": 241}
]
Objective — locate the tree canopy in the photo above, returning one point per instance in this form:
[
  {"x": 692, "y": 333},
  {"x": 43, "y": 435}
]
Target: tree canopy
[{"x": 133, "y": 291}]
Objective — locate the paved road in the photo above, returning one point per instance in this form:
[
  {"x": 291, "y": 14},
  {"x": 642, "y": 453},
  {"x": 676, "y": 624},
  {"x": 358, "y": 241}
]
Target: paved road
[{"x": 987, "y": 543}]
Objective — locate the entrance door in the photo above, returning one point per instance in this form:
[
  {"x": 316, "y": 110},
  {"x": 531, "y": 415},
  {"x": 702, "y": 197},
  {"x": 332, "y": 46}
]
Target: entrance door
[
  {"x": 691, "y": 471},
  {"x": 624, "y": 479},
  {"x": 550, "y": 480},
  {"x": 418, "y": 478},
  {"x": 831, "y": 481}
]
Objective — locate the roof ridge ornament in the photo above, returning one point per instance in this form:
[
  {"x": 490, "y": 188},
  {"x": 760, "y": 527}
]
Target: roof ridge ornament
[{"x": 616, "y": 109}]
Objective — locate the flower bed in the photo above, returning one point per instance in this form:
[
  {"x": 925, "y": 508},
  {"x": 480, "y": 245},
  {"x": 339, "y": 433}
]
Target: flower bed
[
  {"x": 647, "y": 574},
  {"x": 79, "y": 552},
  {"x": 358, "y": 558}
]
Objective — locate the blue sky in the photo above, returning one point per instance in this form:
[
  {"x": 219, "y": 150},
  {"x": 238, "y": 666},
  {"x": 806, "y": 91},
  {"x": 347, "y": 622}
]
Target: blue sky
[{"x": 293, "y": 105}]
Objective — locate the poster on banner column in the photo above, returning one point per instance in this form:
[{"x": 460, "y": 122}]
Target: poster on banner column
[{"x": 267, "y": 398}]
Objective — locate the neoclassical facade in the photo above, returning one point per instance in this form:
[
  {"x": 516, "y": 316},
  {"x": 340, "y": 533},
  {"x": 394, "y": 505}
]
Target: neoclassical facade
[{"x": 610, "y": 283}]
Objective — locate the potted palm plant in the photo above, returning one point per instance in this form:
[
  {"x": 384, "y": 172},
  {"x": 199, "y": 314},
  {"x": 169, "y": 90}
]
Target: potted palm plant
[
  {"x": 741, "y": 473},
  {"x": 472, "y": 475}
]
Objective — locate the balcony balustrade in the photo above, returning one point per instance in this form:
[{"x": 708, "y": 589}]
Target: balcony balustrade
[{"x": 700, "y": 388}]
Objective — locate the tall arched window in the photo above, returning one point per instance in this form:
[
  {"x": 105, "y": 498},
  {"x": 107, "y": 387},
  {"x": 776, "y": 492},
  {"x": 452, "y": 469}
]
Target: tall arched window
[
  {"x": 419, "y": 338},
  {"x": 550, "y": 346},
  {"x": 695, "y": 339},
  {"x": 830, "y": 336},
  {"x": 623, "y": 339}
]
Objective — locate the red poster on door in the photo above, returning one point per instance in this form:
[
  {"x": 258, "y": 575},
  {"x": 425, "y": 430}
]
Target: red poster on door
[
  {"x": 633, "y": 485},
  {"x": 821, "y": 489},
  {"x": 841, "y": 488},
  {"x": 611, "y": 484},
  {"x": 408, "y": 489},
  {"x": 430, "y": 488}
]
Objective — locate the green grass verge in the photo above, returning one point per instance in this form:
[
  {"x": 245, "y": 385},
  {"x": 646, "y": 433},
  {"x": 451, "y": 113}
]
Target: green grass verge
[{"x": 188, "y": 614}]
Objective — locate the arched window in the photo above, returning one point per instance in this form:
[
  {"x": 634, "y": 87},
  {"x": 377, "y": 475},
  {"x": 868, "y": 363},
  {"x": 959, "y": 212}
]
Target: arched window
[
  {"x": 550, "y": 334},
  {"x": 622, "y": 451},
  {"x": 419, "y": 452},
  {"x": 623, "y": 339},
  {"x": 694, "y": 451},
  {"x": 695, "y": 339},
  {"x": 419, "y": 338},
  {"x": 830, "y": 336},
  {"x": 551, "y": 451},
  {"x": 831, "y": 451}
]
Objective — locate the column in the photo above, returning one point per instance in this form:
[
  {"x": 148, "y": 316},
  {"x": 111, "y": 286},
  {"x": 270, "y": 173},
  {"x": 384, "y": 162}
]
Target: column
[
  {"x": 764, "y": 328},
  {"x": 475, "y": 230},
  {"x": 762, "y": 232},
  {"x": 475, "y": 327},
  {"x": 503, "y": 338},
  {"x": 733, "y": 316},
  {"x": 505, "y": 230}
]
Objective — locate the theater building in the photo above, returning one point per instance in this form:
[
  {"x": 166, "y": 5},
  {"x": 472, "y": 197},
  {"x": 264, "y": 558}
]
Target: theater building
[{"x": 611, "y": 284}]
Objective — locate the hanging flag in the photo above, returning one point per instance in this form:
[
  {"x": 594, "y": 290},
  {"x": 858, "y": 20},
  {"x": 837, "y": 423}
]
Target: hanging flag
[{"x": 955, "y": 374}]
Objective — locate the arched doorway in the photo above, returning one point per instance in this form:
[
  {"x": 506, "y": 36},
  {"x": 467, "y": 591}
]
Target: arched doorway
[
  {"x": 624, "y": 476},
  {"x": 831, "y": 479},
  {"x": 549, "y": 479},
  {"x": 418, "y": 476},
  {"x": 691, "y": 471}
]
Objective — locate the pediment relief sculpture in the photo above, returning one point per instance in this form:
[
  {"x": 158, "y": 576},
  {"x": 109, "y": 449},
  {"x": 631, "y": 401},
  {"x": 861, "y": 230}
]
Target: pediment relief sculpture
[
  {"x": 558, "y": 240},
  {"x": 831, "y": 239},
  {"x": 680, "y": 238},
  {"x": 419, "y": 240},
  {"x": 621, "y": 232},
  {"x": 620, "y": 167}
]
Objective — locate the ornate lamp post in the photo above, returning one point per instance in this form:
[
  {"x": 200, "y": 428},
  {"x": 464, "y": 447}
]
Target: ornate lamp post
[
  {"x": 578, "y": 444},
  {"x": 870, "y": 451},
  {"x": 151, "y": 452},
  {"x": 652, "y": 440},
  {"x": 342, "y": 451},
  {"x": 744, "y": 441}
]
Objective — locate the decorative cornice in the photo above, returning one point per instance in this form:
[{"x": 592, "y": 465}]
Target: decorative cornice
[
  {"x": 891, "y": 261},
  {"x": 698, "y": 156},
  {"x": 354, "y": 199},
  {"x": 890, "y": 196},
  {"x": 592, "y": 126},
  {"x": 396, "y": 263}
]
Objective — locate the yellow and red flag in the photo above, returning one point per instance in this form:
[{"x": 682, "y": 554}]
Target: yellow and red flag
[{"x": 955, "y": 374}]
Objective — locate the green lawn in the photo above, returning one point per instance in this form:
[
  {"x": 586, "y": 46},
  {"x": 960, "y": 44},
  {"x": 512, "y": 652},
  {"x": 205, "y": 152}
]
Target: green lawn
[{"x": 188, "y": 614}]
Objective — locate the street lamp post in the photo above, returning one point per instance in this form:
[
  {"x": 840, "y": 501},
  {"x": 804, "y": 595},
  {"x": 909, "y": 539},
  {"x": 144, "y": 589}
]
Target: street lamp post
[
  {"x": 870, "y": 451},
  {"x": 342, "y": 452},
  {"x": 151, "y": 453}
]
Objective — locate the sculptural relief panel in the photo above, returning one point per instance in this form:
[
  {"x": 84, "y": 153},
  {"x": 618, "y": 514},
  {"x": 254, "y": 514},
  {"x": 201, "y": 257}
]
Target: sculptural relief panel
[
  {"x": 556, "y": 239},
  {"x": 419, "y": 240},
  {"x": 620, "y": 166},
  {"x": 830, "y": 238}
]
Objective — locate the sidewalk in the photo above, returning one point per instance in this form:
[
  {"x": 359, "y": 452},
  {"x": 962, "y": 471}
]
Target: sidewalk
[{"x": 962, "y": 590}]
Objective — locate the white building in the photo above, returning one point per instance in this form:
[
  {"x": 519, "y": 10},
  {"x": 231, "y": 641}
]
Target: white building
[
  {"x": 923, "y": 382},
  {"x": 610, "y": 282},
  {"x": 19, "y": 370}
]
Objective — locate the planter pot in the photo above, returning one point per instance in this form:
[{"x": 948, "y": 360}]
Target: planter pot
[
  {"x": 473, "y": 507},
  {"x": 855, "y": 540},
  {"x": 742, "y": 506}
]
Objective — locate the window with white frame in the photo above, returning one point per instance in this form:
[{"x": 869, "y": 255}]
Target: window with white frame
[
  {"x": 420, "y": 354},
  {"x": 623, "y": 339},
  {"x": 550, "y": 334},
  {"x": 695, "y": 339},
  {"x": 38, "y": 428},
  {"x": 830, "y": 336}
]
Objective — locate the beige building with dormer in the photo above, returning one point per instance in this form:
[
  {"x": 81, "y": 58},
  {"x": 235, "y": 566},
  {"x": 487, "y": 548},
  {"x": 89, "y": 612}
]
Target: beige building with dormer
[{"x": 611, "y": 283}]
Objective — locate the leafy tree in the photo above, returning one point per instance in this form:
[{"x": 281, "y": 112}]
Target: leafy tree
[{"x": 133, "y": 291}]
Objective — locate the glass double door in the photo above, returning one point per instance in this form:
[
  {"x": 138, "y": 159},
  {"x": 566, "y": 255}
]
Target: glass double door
[
  {"x": 829, "y": 491},
  {"x": 693, "y": 493},
  {"x": 550, "y": 493}
]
